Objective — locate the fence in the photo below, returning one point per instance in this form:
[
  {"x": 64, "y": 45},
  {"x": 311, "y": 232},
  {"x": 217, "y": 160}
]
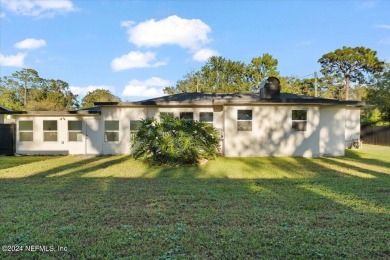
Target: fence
[
  {"x": 378, "y": 135},
  {"x": 7, "y": 139}
]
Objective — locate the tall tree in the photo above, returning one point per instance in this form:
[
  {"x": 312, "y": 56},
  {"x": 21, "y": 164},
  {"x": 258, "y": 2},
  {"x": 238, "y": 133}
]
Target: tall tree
[
  {"x": 26, "y": 90},
  {"x": 352, "y": 64},
  {"x": 98, "y": 95},
  {"x": 223, "y": 76},
  {"x": 379, "y": 94},
  {"x": 261, "y": 68}
]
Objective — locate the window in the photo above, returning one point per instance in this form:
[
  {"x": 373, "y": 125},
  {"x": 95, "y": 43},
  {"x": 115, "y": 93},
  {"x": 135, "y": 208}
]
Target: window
[
  {"x": 26, "y": 131},
  {"x": 299, "y": 120},
  {"x": 207, "y": 117},
  {"x": 75, "y": 131},
  {"x": 50, "y": 130},
  {"x": 244, "y": 120},
  {"x": 134, "y": 125},
  {"x": 187, "y": 115},
  {"x": 111, "y": 131}
]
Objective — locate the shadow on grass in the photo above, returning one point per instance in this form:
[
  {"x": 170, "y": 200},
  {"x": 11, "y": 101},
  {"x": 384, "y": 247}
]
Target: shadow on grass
[
  {"x": 13, "y": 161},
  {"x": 202, "y": 209}
]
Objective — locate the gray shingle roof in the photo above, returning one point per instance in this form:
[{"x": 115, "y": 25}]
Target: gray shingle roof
[{"x": 239, "y": 99}]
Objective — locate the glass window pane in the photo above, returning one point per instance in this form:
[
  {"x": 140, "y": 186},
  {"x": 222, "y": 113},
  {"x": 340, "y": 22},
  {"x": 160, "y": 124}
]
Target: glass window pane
[
  {"x": 299, "y": 125},
  {"x": 111, "y": 125},
  {"x": 244, "y": 114},
  {"x": 49, "y": 125},
  {"x": 75, "y": 125},
  {"x": 244, "y": 125},
  {"x": 50, "y": 136},
  {"x": 26, "y": 136},
  {"x": 75, "y": 137},
  {"x": 25, "y": 125},
  {"x": 187, "y": 115},
  {"x": 111, "y": 136},
  {"x": 206, "y": 117},
  {"x": 299, "y": 114},
  {"x": 134, "y": 125}
]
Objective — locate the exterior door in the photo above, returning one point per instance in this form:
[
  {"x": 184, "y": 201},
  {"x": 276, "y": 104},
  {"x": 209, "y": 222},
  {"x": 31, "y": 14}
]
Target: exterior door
[{"x": 93, "y": 137}]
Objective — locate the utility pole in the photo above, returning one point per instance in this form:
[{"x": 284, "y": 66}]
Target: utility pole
[{"x": 315, "y": 84}]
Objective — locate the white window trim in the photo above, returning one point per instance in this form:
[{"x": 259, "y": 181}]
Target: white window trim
[
  {"x": 208, "y": 122},
  {"x": 299, "y": 120},
  {"x": 243, "y": 120},
  {"x": 26, "y": 131},
  {"x": 111, "y": 131},
  {"x": 75, "y": 131},
  {"x": 49, "y": 131}
]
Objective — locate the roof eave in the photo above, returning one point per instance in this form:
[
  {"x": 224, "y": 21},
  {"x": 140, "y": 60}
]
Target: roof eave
[{"x": 55, "y": 113}]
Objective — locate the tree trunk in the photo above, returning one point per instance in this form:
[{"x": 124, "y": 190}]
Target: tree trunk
[{"x": 347, "y": 79}]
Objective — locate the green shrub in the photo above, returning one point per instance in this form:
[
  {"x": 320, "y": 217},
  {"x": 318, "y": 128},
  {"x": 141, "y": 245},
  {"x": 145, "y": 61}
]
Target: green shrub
[{"x": 174, "y": 141}]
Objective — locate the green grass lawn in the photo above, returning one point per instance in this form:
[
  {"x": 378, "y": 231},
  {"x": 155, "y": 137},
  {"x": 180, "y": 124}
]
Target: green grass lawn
[{"x": 115, "y": 207}]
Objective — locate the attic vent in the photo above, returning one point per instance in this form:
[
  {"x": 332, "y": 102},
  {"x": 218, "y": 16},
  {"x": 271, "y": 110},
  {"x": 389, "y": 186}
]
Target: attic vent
[{"x": 270, "y": 88}]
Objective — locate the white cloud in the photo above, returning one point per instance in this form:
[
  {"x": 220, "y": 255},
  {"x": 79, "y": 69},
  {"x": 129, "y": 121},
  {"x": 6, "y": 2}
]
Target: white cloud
[
  {"x": 2, "y": 15},
  {"x": 173, "y": 30},
  {"x": 38, "y": 8},
  {"x": 136, "y": 59},
  {"x": 82, "y": 91},
  {"x": 383, "y": 26},
  {"x": 30, "y": 44},
  {"x": 12, "y": 60},
  {"x": 152, "y": 87},
  {"x": 304, "y": 43},
  {"x": 204, "y": 54}
]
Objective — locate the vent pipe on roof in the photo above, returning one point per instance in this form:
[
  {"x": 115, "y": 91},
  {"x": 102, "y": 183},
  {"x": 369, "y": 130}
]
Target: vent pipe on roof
[{"x": 270, "y": 88}]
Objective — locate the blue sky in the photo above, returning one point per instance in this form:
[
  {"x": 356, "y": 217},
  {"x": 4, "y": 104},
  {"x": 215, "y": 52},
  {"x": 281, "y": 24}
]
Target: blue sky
[{"x": 136, "y": 48}]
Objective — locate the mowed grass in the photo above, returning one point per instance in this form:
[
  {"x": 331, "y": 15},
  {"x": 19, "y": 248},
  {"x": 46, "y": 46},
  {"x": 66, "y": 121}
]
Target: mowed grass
[{"x": 231, "y": 208}]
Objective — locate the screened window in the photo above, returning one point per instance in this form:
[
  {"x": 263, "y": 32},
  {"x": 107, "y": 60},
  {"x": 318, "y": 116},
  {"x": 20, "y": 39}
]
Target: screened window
[
  {"x": 187, "y": 115},
  {"x": 244, "y": 120},
  {"x": 75, "y": 133},
  {"x": 134, "y": 125},
  {"x": 50, "y": 130},
  {"x": 111, "y": 131},
  {"x": 26, "y": 131},
  {"x": 299, "y": 120},
  {"x": 207, "y": 117}
]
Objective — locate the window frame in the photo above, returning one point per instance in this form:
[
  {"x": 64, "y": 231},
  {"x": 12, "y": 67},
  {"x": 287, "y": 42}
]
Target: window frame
[
  {"x": 239, "y": 128},
  {"x": 184, "y": 112},
  {"x": 207, "y": 122},
  {"x": 26, "y": 131},
  {"x": 297, "y": 123},
  {"x": 75, "y": 131},
  {"x": 50, "y": 131},
  {"x": 110, "y": 131}
]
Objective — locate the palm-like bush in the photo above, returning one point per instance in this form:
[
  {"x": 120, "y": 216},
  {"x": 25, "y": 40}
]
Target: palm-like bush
[{"x": 174, "y": 141}]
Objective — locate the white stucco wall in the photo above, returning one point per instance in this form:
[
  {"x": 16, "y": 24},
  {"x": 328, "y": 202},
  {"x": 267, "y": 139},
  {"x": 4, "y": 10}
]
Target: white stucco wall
[
  {"x": 332, "y": 131},
  {"x": 327, "y": 129},
  {"x": 352, "y": 125},
  {"x": 61, "y": 146},
  {"x": 125, "y": 114},
  {"x": 272, "y": 132}
]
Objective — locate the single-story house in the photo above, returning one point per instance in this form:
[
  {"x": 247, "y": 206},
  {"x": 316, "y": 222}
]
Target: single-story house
[{"x": 268, "y": 123}]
